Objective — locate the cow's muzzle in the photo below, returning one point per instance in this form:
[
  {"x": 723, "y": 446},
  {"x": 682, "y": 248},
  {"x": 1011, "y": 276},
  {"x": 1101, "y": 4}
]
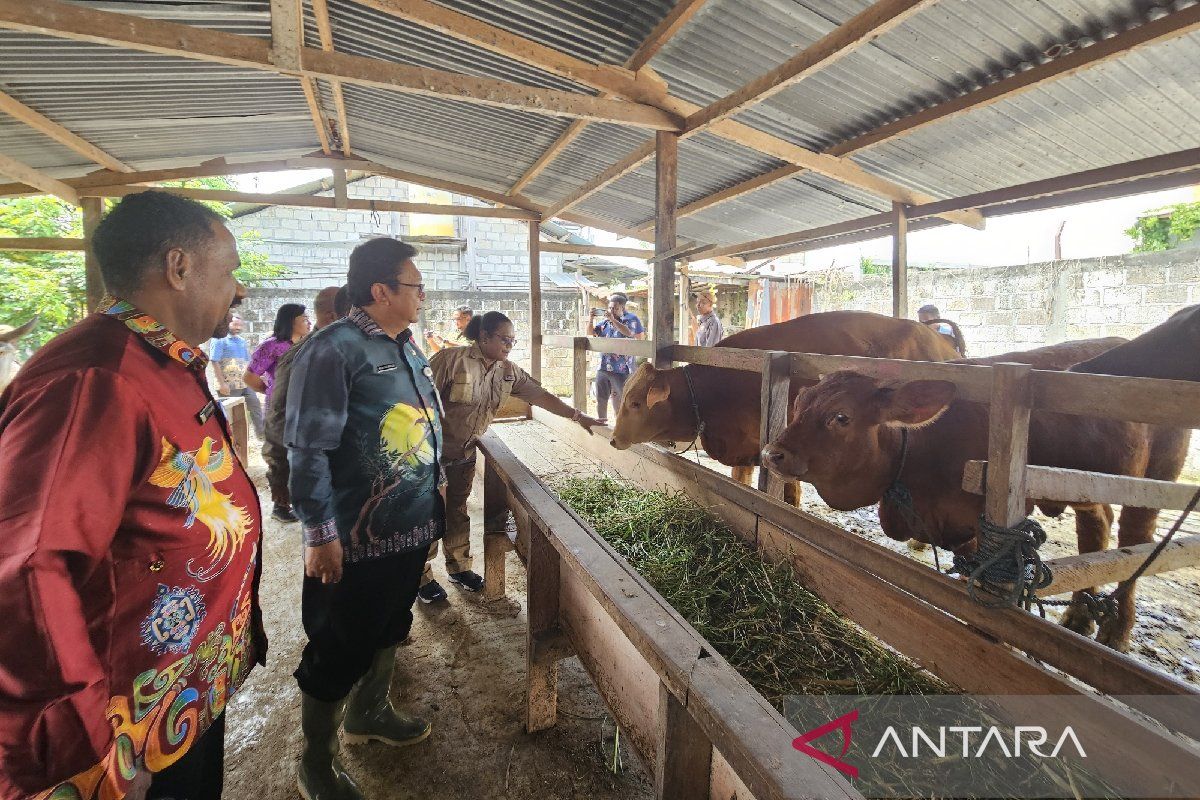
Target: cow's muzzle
[{"x": 782, "y": 463}]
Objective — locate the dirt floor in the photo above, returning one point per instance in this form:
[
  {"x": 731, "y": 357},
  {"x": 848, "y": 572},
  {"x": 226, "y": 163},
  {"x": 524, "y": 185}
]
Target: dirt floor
[{"x": 464, "y": 669}]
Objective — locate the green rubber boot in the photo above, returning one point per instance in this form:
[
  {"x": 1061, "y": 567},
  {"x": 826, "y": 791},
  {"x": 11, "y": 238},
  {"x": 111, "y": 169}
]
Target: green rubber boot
[
  {"x": 320, "y": 775},
  {"x": 369, "y": 711}
]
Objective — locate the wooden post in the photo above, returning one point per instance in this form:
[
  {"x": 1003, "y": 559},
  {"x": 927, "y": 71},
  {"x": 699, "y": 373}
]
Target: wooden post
[
  {"x": 93, "y": 210},
  {"x": 340, "y": 197},
  {"x": 496, "y": 543},
  {"x": 899, "y": 260},
  {"x": 535, "y": 301},
  {"x": 776, "y": 380},
  {"x": 579, "y": 372},
  {"x": 541, "y": 660},
  {"x": 683, "y": 766},
  {"x": 662, "y": 279},
  {"x": 1008, "y": 444}
]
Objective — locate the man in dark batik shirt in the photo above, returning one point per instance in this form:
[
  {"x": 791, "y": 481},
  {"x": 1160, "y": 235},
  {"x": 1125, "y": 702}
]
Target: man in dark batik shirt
[{"x": 363, "y": 430}]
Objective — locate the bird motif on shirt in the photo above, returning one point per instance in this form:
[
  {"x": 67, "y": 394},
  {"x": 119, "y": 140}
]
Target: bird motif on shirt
[{"x": 193, "y": 475}]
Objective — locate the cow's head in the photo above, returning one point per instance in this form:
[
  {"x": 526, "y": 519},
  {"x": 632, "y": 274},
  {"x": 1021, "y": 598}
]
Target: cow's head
[
  {"x": 652, "y": 410},
  {"x": 841, "y": 437},
  {"x": 8, "y": 349}
]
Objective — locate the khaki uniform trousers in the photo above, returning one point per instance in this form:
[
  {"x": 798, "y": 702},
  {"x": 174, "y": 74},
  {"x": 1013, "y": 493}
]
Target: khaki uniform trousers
[{"x": 456, "y": 544}]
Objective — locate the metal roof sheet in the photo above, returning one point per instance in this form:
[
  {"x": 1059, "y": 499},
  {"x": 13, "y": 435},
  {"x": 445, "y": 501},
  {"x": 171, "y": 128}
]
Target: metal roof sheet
[{"x": 149, "y": 109}]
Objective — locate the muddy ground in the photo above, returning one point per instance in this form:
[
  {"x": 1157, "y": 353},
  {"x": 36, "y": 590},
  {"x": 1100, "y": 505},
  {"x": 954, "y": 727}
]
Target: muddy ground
[{"x": 464, "y": 669}]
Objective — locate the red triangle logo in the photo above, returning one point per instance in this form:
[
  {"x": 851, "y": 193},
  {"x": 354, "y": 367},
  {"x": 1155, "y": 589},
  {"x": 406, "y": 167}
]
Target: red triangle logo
[{"x": 842, "y": 724}]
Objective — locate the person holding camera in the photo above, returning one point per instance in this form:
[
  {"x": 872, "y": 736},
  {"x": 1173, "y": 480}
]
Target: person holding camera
[{"x": 614, "y": 323}]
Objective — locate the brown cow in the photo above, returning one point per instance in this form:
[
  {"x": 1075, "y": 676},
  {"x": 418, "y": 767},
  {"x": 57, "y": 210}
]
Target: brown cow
[
  {"x": 1170, "y": 350},
  {"x": 846, "y": 439},
  {"x": 658, "y": 403}
]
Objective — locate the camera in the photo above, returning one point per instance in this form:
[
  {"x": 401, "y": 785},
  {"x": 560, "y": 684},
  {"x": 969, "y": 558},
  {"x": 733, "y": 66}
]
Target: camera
[{"x": 599, "y": 312}]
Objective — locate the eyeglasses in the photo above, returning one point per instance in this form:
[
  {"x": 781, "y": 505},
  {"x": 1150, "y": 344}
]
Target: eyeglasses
[
  {"x": 511, "y": 341},
  {"x": 420, "y": 287}
]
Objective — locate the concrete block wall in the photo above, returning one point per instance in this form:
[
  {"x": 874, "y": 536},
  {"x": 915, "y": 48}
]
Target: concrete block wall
[{"x": 1017, "y": 308}]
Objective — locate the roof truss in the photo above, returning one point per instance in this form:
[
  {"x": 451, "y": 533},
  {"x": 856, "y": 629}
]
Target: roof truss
[{"x": 58, "y": 133}]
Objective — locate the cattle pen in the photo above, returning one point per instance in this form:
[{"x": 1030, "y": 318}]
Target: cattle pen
[{"x": 634, "y": 118}]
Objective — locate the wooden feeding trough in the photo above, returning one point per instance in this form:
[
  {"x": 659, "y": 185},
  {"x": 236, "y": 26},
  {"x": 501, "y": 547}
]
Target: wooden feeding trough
[{"x": 923, "y": 614}]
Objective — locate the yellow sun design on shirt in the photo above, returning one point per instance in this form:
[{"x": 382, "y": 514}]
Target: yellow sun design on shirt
[{"x": 404, "y": 433}]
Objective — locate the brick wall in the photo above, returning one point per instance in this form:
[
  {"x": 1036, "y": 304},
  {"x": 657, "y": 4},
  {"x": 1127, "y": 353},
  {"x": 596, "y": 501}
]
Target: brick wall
[{"x": 1017, "y": 308}]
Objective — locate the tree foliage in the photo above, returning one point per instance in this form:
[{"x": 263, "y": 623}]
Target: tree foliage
[
  {"x": 51, "y": 285},
  {"x": 1162, "y": 230}
]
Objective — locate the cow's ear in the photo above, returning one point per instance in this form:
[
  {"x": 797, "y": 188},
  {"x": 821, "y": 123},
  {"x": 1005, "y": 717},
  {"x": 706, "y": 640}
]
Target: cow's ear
[
  {"x": 918, "y": 402},
  {"x": 658, "y": 392}
]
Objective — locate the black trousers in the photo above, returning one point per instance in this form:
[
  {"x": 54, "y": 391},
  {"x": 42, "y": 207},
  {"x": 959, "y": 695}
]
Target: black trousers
[
  {"x": 347, "y": 622},
  {"x": 199, "y": 775}
]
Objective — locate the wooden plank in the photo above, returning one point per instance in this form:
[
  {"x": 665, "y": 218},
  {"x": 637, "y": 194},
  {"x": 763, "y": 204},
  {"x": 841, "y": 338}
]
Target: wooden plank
[
  {"x": 683, "y": 766},
  {"x": 541, "y": 695},
  {"x": 1170, "y": 26},
  {"x": 899, "y": 260},
  {"x": 535, "y": 301},
  {"x": 579, "y": 374},
  {"x": 1159, "y": 402},
  {"x": 314, "y": 201},
  {"x": 613, "y": 173},
  {"x": 325, "y": 33},
  {"x": 873, "y": 21},
  {"x": 1008, "y": 444},
  {"x": 93, "y": 212},
  {"x": 287, "y": 34},
  {"x": 639, "y": 348},
  {"x": 26, "y": 174},
  {"x": 662, "y": 275},
  {"x": 595, "y": 250},
  {"x": 1075, "y": 486},
  {"x": 234, "y": 409},
  {"x": 565, "y": 138},
  {"x": 64, "y": 20},
  {"x": 45, "y": 244},
  {"x": 48, "y": 127},
  {"x": 495, "y": 516},
  {"x": 432, "y": 182},
  {"x": 773, "y": 417},
  {"x": 1083, "y": 571},
  {"x": 679, "y": 15},
  {"x": 732, "y": 193}
]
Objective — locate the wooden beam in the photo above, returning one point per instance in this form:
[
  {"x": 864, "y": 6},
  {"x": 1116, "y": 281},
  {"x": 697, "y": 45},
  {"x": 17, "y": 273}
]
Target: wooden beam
[
  {"x": 662, "y": 275},
  {"x": 679, "y": 15},
  {"x": 63, "y": 20},
  {"x": 613, "y": 173},
  {"x": 44, "y": 125},
  {"x": 535, "y": 302},
  {"x": 325, "y": 33},
  {"x": 594, "y": 250},
  {"x": 340, "y": 198},
  {"x": 318, "y": 116},
  {"x": 875, "y": 20},
  {"x": 732, "y": 193},
  {"x": 21, "y": 171},
  {"x": 93, "y": 211},
  {"x": 683, "y": 754},
  {"x": 1074, "y": 486},
  {"x": 773, "y": 413},
  {"x": 45, "y": 244},
  {"x": 313, "y": 201},
  {"x": 287, "y": 34},
  {"x": 1170, "y": 26},
  {"x": 569, "y": 135},
  {"x": 899, "y": 260},
  {"x": 1083, "y": 571}
]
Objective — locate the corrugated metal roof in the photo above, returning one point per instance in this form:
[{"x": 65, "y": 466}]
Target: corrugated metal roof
[{"x": 150, "y": 109}]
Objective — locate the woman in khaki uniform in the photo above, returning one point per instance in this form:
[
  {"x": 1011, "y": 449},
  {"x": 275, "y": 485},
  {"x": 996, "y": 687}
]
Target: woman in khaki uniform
[{"x": 474, "y": 383}]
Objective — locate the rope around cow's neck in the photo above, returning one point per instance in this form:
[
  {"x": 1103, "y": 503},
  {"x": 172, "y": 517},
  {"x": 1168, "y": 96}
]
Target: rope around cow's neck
[
  {"x": 898, "y": 496},
  {"x": 696, "y": 413}
]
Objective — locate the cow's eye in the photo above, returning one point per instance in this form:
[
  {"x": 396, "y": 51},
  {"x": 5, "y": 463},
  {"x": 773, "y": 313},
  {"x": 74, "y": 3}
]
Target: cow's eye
[
  {"x": 634, "y": 404},
  {"x": 840, "y": 419}
]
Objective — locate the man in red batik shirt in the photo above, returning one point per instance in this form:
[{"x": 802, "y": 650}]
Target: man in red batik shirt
[{"x": 129, "y": 530}]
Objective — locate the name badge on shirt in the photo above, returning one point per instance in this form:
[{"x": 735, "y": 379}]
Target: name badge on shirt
[
  {"x": 203, "y": 414},
  {"x": 385, "y": 368}
]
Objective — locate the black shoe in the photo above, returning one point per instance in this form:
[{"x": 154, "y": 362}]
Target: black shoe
[
  {"x": 284, "y": 514},
  {"x": 432, "y": 592},
  {"x": 467, "y": 580}
]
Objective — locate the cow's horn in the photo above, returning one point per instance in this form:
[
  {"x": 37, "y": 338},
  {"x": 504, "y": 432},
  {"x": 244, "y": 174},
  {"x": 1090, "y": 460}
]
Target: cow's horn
[{"x": 17, "y": 333}]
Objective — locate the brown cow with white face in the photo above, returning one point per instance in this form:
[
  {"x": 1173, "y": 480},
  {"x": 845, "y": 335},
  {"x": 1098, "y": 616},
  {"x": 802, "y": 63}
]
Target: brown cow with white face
[
  {"x": 658, "y": 405},
  {"x": 846, "y": 438}
]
